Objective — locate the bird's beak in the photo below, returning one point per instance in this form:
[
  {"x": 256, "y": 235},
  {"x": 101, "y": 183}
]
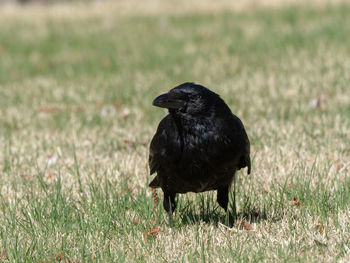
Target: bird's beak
[{"x": 164, "y": 101}]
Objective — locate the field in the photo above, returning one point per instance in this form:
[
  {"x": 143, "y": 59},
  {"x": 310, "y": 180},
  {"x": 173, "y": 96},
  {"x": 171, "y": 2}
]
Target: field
[{"x": 76, "y": 86}]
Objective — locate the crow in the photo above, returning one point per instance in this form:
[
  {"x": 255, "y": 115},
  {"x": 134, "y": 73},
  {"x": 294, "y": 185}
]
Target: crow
[{"x": 198, "y": 146}]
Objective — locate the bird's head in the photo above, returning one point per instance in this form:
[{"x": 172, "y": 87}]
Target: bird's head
[{"x": 188, "y": 98}]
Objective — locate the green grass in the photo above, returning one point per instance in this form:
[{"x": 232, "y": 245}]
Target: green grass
[{"x": 73, "y": 180}]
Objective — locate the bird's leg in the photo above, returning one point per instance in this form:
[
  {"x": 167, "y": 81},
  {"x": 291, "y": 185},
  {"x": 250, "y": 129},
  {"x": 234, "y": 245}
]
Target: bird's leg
[
  {"x": 234, "y": 197},
  {"x": 169, "y": 217},
  {"x": 169, "y": 205},
  {"x": 222, "y": 198}
]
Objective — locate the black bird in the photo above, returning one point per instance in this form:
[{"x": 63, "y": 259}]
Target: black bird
[{"x": 198, "y": 146}]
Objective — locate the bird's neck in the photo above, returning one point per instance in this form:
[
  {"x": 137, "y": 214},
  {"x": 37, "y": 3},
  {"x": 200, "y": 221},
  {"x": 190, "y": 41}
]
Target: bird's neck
[{"x": 192, "y": 126}]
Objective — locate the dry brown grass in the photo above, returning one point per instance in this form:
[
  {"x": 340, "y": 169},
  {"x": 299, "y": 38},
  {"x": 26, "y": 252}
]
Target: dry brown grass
[
  {"x": 288, "y": 81},
  {"x": 151, "y": 7}
]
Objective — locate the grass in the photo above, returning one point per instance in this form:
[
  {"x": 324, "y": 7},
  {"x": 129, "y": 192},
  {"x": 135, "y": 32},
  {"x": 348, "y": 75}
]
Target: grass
[{"x": 76, "y": 119}]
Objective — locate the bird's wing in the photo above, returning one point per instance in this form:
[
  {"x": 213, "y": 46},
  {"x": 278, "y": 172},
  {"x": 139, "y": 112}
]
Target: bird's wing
[
  {"x": 158, "y": 145},
  {"x": 163, "y": 145}
]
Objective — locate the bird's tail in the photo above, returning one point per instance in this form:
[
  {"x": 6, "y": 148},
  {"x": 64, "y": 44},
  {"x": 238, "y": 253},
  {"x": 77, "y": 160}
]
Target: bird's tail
[
  {"x": 245, "y": 162},
  {"x": 249, "y": 166},
  {"x": 155, "y": 183}
]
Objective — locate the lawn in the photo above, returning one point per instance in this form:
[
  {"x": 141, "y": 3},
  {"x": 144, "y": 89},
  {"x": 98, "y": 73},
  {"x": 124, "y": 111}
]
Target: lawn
[{"x": 76, "y": 117}]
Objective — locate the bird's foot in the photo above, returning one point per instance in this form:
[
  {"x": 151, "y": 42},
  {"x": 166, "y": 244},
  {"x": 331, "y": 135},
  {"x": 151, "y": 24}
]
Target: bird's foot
[
  {"x": 170, "y": 218},
  {"x": 229, "y": 219}
]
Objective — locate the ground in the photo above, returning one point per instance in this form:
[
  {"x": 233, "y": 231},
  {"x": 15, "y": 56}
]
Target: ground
[{"x": 76, "y": 86}]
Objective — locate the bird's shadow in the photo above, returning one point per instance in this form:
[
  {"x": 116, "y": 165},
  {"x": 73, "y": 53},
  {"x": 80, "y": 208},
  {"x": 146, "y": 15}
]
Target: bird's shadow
[
  {"x": 190, "y": 216},
  {"x": 209, "y": 212},
  {"x": 204, "y": 209}
]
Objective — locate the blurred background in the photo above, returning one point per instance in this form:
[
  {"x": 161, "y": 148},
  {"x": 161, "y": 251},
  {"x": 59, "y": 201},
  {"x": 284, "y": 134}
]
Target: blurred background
[{"x": 77, "y": 79}]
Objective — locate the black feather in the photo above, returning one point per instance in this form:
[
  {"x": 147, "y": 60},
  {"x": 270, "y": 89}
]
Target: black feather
[{"x": 198, "y": 146}]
